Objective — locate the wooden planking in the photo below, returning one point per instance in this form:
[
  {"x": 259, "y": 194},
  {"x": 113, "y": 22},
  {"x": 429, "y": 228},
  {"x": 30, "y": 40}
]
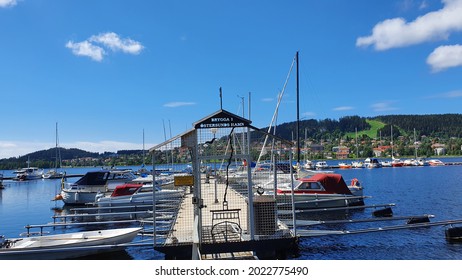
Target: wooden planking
[{"x": 183, "y": 227}]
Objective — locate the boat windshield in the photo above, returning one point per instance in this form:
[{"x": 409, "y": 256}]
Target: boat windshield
[
  {"x": 148, "y": 188},
  {"x": 310, "y": 186}
]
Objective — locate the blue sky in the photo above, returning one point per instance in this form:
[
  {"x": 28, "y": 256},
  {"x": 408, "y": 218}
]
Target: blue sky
[{"x": 108, "y": 70}]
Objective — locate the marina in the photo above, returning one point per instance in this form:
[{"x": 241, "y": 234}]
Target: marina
[
  {"x": 205, "y": 215},
  {"x": 29, "y": 203}
]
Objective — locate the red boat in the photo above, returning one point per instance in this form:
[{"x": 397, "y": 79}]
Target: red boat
[{"x": 323, "y": 190}]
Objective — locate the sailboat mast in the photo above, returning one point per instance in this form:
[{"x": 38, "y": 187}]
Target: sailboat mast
[
  {"x": 392, "y": 153},
  {"x": 143, "y": 150},
  {"x": 56, "y": 143},
  {"x": 298, "y": 112},
  {"x": 356, "y": 142}
]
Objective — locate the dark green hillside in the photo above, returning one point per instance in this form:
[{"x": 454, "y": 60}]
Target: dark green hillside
[
  {"x": 442, "y": 126},
  {"x": 64, "y": 153},
  {"x": 444, "y": 129},
  {"x": 322, "y": 129}
]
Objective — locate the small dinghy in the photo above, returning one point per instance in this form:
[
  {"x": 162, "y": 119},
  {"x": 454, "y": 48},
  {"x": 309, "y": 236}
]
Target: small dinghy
[{"x": 67, "y": 245}]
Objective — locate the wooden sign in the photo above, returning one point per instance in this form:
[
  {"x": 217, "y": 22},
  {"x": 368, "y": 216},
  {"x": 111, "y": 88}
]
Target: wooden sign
[{"x": 180, "y": 181}]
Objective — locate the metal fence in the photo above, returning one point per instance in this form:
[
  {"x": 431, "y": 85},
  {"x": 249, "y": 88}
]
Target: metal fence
[{"x": 229, "y": 177}]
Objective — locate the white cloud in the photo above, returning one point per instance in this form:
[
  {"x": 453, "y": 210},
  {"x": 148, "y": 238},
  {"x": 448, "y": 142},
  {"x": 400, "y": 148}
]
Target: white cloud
[
  {"x": 178, "y": 104},
  {"x": 423, "y": 5},
  {"x": 95, "y": 47},
  {"x": 407, "y": 5},
  {"x": 445, "y": 57},
  {"x": 383, "y": 106},
  {"x": 453, "y": 94},
  {"x": 396, "y": 32},
  {"x": 85, "y": 48},
  {"x": 15, "y": 149},
  {"x": 7, "y": 3},
  {"x": 308, "y": 114},
  {"x": 343, "y": 108},
  {"x": 448, "y": 95},
  {"x": 115, "y": 43}
]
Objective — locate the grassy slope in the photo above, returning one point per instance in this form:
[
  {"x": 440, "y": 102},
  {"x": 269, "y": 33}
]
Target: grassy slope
[{"x": 372, "y": 133}]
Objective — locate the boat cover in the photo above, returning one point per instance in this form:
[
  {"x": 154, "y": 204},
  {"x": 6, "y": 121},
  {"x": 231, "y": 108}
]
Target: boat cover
[
  {"x": 125, "y": 189},
  {"x": 94, "y": 178},
  {"x": 332, "y": 183}
]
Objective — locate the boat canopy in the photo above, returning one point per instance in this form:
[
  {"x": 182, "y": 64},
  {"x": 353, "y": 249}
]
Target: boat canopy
[
  {"x": 125, "y": 189},
  {"x": 93, "y": 178},
  {"x": 331, "y": 182}
]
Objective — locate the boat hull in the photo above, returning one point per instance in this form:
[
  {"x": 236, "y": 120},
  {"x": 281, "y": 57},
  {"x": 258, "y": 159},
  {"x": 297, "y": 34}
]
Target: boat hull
[
  {"x": 78, "y": 197},
  {"x": 138, "y": 199},
  {"x": 69, "y": 245},
  {"x": 312, "y": 201}
]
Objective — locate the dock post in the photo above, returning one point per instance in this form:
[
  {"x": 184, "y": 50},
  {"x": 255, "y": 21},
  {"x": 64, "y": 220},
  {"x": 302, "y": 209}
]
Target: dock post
[{"x": 216, "y": 198}]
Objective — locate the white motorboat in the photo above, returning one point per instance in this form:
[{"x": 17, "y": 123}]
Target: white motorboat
[
  {"x": 372, "y": 163},
  {"x": 85, "y": 189},
  {"x": 321, "y": 165},
  {"x": 67, "y": 245},
  {"x": 136, "y": 194},
  {"x": 396, "y": 162},
  {"x": 422, "y": 162},
  {"x": 386, "y": 163},
  {"x": 162, "y": 180},
  {"x": 344, "y": 165},
  {"x": 53, "y": 174},
  {"x": 260, "y": 172},
  {"x": 308, "y": 164},
  {"x": 28, "y": 173},
  {"x": 119, "y": 176},
  {"x": 435, "y": 162}
]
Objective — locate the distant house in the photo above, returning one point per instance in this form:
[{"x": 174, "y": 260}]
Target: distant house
[
  {"x": 316, "y": 148},
  {"x": 439, "y": 149},
  {"x": 380, "y": 150},
  {"x": 342, "y": 152}
]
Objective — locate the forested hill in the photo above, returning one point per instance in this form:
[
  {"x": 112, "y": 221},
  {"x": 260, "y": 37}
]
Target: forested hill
[
  {"x": 443, "y": 126},
  {"x": 436, "y": 125}
]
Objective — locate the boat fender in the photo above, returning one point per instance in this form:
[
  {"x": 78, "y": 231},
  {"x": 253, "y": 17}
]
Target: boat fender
[
  {"x": 418, "y": 220},
  {"x": 385, "y": 212},
  {"x": 355, "y": 182},
  {"x": 454, "y": 234},
  {"x": 98, "y": 196}
]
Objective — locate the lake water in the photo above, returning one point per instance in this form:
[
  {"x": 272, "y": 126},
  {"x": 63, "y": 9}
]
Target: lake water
[{"x": 414, "y": 190}]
